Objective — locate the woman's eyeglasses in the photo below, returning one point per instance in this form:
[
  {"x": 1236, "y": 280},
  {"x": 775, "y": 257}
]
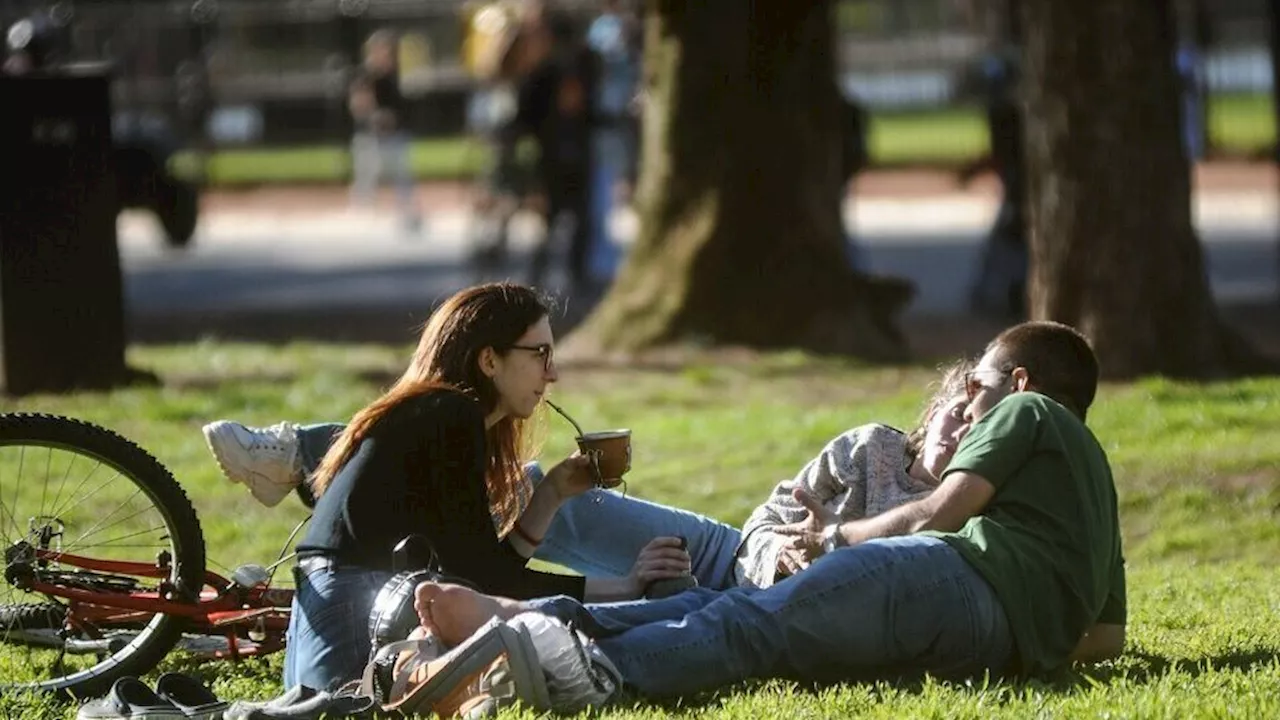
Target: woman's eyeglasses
[{"x": 544, "y": 351}]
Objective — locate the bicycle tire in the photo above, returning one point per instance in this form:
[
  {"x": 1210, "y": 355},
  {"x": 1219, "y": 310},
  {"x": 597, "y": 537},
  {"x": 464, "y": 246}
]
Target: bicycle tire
[
  {"x": 188, "y": 562},
  {"x": 32, "y": 616}
]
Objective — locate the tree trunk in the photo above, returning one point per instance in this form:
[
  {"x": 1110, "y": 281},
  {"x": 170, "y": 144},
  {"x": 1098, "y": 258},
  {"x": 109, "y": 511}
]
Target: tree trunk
[
  {"x": 1112, "y": 245},
  {"x": 740, "y": 238},
  {"x": 1273, "y": 38}
]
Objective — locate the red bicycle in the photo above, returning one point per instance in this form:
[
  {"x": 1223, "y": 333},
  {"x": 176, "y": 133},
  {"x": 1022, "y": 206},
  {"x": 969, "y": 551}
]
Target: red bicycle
[{"x": 104, "y": 565}]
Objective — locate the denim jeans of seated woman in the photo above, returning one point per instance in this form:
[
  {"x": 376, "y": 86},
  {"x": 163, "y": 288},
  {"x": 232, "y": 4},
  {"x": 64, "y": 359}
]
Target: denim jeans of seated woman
[
  {"x": 882, "y": 608},
  {"x": 328, "y": 639},
  {"x": 600, "y": 533}
]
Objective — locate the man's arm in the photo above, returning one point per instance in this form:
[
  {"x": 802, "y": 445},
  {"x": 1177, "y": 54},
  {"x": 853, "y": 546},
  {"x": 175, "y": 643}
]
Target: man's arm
[
  {"x": 960, "y": 496},
  {"x": 1101, "y": 642}
]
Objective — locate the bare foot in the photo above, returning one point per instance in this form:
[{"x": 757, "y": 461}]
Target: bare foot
[
  {"x": 424, "y": 597},
  {"x": 453, "y": 612}
]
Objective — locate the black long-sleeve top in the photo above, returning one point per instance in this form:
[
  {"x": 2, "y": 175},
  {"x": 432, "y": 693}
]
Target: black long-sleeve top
[
  {"x": 563, "y": 135},
  {"x": 420, "y": 470}
]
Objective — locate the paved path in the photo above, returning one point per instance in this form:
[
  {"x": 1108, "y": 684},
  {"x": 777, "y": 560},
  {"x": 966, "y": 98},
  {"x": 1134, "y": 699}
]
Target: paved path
[{"x": 314, "y": 257}]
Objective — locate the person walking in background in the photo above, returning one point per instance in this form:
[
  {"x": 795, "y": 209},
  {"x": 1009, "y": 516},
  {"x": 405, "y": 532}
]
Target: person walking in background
[
  {"x": 1000, "y": 287},
  {"x": 854, "y": 157},
  {"x": 613, "y": 36},
  {"x": 555, "y": 107},
  {"x": 492, "y": 53},
  {"x": 1187, "y": 61},
  {"x": 381, "y": 144}
]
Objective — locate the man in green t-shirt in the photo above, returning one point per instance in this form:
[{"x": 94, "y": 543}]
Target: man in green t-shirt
[
  {"x": 1012, "y": 565},
  {"x": 1047, "y": 535}
]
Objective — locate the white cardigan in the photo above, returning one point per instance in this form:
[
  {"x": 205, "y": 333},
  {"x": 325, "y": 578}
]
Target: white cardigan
[{"x": 861, "y": 473}]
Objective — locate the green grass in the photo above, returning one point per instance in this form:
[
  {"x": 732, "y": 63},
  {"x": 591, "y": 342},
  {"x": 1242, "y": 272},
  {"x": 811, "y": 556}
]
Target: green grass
[
  {"x": 1197, "y": 468},
  {"x": 1242, "y": 124},
  {"x": 431, "y": 159},
  {"x": 943, "y": 137},
  {"x": 1239, "y": 125}
]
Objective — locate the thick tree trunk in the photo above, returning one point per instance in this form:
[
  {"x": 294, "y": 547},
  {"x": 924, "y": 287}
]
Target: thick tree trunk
[
  {"x": 1112, "y": 244},
  {"x": 741, "y": 238}
]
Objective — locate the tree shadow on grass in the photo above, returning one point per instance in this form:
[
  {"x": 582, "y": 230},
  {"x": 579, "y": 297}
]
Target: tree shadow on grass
[
  {"x": 1142, "y": 668},
  {"x": 213, "y": 383}
]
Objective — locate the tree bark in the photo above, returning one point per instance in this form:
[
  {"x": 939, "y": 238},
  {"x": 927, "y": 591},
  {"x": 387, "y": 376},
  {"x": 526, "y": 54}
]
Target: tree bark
[
  {"x": 741, "y": 239},
  {"x": 1113, "y": 250}
]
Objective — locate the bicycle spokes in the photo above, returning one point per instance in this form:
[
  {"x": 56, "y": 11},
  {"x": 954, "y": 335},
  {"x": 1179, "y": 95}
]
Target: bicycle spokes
[{"x": 85, "y": 517}]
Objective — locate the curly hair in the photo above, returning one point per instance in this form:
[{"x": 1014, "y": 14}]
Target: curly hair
[{"x": 946, "y": 389}]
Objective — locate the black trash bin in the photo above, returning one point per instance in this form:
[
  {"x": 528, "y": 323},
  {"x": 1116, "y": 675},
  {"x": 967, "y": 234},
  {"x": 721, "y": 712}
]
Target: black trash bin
[{"x": 61, "y": 291}]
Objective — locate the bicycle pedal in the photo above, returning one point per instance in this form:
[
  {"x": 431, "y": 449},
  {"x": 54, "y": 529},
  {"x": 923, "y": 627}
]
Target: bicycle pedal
[{"x": 250, "y": 575}]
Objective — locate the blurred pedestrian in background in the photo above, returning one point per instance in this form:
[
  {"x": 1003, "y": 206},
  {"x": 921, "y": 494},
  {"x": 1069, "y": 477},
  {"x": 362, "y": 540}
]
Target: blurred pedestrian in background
[
  {"x": 855, "y": 156},
  {"x": 555, "y": 106},
  {"x": 1188, "y": 63},
  {"x": 614, "y": 36},
  {"x": 493, "y": 54},
  {"x": 380, "y": 145},
  {"x": 1000, "y": 287}
]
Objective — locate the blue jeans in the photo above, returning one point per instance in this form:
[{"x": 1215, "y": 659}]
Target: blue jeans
[
  {"x": 611, "y": 156},
  {"x": 328, "y": 641},
  {"x": 374, "y": 155},
  {"x": 600, "y": 533},
  {"x": 883, "y": 608}
]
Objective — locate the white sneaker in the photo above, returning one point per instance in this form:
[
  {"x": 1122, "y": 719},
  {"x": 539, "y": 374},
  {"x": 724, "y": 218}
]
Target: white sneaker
[
  {"x": 578, "y": 674},
  {"x": 264, "y": 459}
]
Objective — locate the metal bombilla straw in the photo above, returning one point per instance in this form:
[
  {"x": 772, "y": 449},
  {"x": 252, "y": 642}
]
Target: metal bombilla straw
[
  {"x": 565, "y": 415},
  {"x": 595, "y": 462}
]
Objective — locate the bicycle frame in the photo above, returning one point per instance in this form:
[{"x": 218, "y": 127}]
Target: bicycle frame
[{"x": 222, "y": 608}]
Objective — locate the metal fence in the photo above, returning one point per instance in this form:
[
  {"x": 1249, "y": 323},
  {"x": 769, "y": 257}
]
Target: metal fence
[
  {"x": 231, "y": 72},
  {"x": 913, "y": 53},
  {"x": 253, "y": 71},
  {"x": 923, "y": 55}
]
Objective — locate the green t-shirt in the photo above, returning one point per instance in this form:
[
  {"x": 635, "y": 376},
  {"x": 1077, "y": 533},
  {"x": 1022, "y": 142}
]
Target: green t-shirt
[{"x": 1049, "y": 540}]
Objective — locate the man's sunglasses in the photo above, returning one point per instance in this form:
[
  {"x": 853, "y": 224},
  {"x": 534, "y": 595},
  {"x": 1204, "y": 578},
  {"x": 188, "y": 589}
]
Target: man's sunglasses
[
  {"x": 973, "y": 386},
  {"x": 544, "y": 351}
]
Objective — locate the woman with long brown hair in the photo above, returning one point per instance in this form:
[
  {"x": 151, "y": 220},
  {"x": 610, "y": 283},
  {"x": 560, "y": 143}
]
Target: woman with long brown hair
[{"x": 438, "y": 455}]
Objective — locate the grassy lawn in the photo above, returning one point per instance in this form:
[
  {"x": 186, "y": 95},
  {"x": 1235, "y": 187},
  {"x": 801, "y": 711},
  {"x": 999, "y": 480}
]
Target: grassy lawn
[
  {"x": 1198, "y": 470},
  {"x": 432, "y": 159},
  {"x": 1238, "y": 124}
]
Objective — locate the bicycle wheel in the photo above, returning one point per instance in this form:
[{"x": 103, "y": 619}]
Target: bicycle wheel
[{"x": 72, "y": 487}]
